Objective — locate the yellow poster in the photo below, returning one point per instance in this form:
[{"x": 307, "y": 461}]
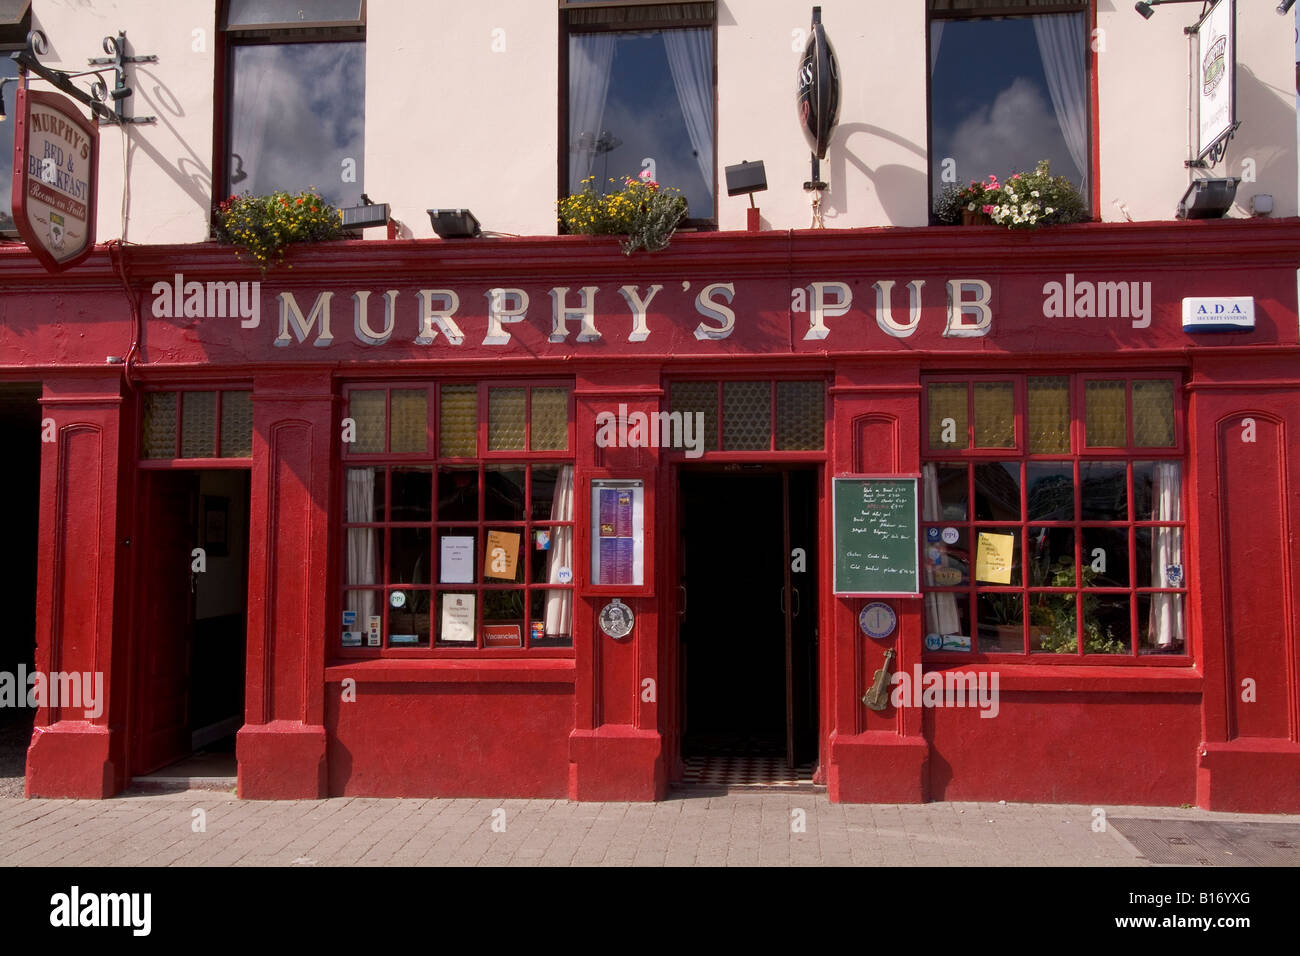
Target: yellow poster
[
  {"x": 501, "y": 555},
  {"x": 994, "y": 554}
]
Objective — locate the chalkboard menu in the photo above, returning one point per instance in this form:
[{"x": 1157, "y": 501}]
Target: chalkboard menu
[{"x": 876, "y": 547}]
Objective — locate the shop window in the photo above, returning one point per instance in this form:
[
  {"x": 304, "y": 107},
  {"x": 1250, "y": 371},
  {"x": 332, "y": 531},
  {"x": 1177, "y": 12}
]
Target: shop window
[
  {"x": 196, "y": 424},
  {"x": 1053, "y": 513},
  {"x": 1009, "y": 86},
  {"x": 466, "y": 549},
  {"x": 295, "y": 97},
  {"x": 759, "y": 415},
  {"x": 640, "y": 81}
]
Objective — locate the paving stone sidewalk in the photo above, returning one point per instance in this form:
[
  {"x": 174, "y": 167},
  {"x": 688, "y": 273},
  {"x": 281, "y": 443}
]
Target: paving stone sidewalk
[{"x": 742, "y": 829}]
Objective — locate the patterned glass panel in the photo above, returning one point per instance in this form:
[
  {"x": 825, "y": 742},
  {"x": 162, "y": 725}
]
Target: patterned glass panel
[
  {"x": 800, "y": 416},
  {"x": 550, "y": 419},
  {"x": 1104, "y": 414},
  {"x": 198, "y": 424},
  {"x": 366, "y": 408},
  {"x": 458, "y": 421},
  {"x": 995, "y": 415},
  {"x": 746, "y": 416},
  {"x": 947, "y": 402},
  {"x": 1153, "y": 413},
  {"x": 236, "y": 424},
  {"x": 409, "y": 408},
  {"x": 691, "y": 397},
  {"x": 158, "y": 438},
  {"x": 1049, "y": 415},
  {"x": 506, "y": 419}
]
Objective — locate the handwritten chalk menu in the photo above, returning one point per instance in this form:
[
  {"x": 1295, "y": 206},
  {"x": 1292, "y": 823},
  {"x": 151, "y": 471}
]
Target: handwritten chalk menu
[{"x": 876, "y": 545}]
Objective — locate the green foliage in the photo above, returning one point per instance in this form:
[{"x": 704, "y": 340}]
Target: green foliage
[
  {"x": 262, "y": 227},
  {"x": 1022, "y": 202},
  {"x": 1052, "y": 616},
  {"x": 642, "y": 210}
]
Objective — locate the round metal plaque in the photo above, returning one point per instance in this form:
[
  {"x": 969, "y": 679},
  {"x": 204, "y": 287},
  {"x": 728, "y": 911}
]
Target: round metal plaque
[{"x": 616, "y": 619}]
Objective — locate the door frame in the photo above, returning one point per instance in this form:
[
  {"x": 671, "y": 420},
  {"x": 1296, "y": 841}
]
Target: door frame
[{"x": 673, "y": 691}]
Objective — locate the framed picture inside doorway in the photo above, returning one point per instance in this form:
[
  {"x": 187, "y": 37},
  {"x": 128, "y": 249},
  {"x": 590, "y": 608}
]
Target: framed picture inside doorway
[{"x": 216, "y": 520}]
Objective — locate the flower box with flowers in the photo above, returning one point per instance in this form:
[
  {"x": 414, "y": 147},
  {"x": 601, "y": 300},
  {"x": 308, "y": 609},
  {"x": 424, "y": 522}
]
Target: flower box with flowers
[
  {"x": 262, "y": 227},
  {"x": 646, "y": 213},
  {"x": 1025, "y": 200}
]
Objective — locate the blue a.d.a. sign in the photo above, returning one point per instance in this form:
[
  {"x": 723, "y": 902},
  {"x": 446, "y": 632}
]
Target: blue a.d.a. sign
[{"x": 1219, "y": 314}]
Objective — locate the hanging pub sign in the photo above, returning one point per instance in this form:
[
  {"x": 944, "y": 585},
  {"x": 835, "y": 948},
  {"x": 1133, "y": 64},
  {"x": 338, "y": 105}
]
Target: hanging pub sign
[
  {"x": 56, "y": 164},
  {"x": 818, "y": 99},
  {"x": 1215, "y": 78}
]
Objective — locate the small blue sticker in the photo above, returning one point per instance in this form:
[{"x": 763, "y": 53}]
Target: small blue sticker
[
  {"x": 931, "y": 534},
  {"x": 1174, "y": 575},
  {"x": 933, "y": 642}
]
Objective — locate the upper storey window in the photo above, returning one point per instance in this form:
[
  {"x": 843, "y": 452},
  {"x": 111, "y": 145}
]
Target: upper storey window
[
  {"x": 15, "y": 21},
  {"x": 295, "y": 97},
  {"x": 641, "y": 96},
  {"x": 1009, "y": 86}
]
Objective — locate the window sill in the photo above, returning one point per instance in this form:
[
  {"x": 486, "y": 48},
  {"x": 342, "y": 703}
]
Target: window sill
[
  {"x": 455, "y": 671},
  {"x": 1080, "y": 678}
]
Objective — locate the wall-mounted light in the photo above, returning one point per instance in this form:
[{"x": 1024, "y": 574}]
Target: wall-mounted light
[
  {"x": 1284, "y": 7},
  {"x": 745, "y": 179},
  {"x": 454, "y": 223},
  {"x": 1147, "y": 7},
  {"x": 1208, "y": 198},
  {"x": 366, "y": 216}
]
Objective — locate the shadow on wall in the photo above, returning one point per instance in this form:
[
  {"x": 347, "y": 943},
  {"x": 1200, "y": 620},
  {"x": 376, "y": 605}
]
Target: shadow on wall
[
  {"x": 188, "y": 170},
  {"x": 901, "y": 189},
  {"x": 1260, "y": 149}
]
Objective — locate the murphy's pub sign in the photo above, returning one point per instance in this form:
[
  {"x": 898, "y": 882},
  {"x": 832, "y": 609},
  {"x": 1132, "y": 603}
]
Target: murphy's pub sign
[{"x": 56, "y": 163}]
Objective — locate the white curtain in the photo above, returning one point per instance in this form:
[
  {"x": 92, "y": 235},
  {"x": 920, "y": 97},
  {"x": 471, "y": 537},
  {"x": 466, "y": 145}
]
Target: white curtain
[
  {"x": 941, "y": 615},
  {"x": 363, "y": 543},
  {"x": 1062, "y": 44},
  {"x": 690, "y": 58},
  {"x": 1165, "y": 628},
  {"x": 936, "y": 36},
  {"x": 590, "y": 58},
  {"x": 559, "y": 603}
]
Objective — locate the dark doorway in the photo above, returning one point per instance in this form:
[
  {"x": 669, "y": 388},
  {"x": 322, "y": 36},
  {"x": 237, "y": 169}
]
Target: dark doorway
[
  {"x": 748, "y": 614},
  {"x": 20, "y": 489},
  {"x": 192, "y": 623}
]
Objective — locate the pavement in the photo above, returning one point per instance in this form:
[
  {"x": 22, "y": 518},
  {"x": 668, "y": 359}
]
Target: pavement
[{"x": 207, "y": 828}]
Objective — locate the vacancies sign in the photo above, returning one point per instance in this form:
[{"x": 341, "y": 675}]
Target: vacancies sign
[{"x": 56, "y": 163}]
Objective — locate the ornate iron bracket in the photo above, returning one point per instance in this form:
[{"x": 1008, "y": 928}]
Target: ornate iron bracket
[{"x": 99, "y": 93}]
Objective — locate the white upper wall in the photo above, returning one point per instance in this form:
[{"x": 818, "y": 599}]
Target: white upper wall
[{"x": 462, "y": 103}]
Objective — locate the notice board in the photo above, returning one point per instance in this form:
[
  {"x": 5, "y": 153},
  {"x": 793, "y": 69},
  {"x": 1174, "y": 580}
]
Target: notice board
[{"x": 876, "y": 544}]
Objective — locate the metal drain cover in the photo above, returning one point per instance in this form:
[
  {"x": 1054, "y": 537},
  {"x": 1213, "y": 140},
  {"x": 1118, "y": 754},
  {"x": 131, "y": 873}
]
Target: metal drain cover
[{"x": 1211, "y": 843}]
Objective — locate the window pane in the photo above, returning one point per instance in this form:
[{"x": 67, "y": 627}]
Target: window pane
[
  {"x": 1053, "y": 626},
  {"x": 458, "y": 421},
  {"x": 461, "y": 610},
  {"x": 9, "y": 68},
  {"x": 995, "y": 415},
  {"x": 746, "y": 416},
  {"x": 365, "y": 502},
  {"x": 947, "y": 500},
  {"x": 997, "y": 491},
  {"x": 692, "y": 397},
  {"x": 236, "y": 424},
  {"x": 297, "y": 119},
  {"x": 158, "y": 431},
  {"x": 1157, "y": 491},
  {"x": 1001, "y": 623},
  {"x": 1153, "y": 413},
  {"x": 544, "y": 480},
  {"x": 991, "y": 108},
  {"x": 947, "y": 565},
  {"x": 1104, "y": 415},
  {"x": 552, "y": 618},
  {"x": 506, "y": 419},
  {"x": 1160, "y": 558},
  {"x": 366, "y": 408},
  {"x": 639, "y": 95},
  {"x": 1051, "y": 557},
  {"x": 1051, "y": 490},
  {"x": 1105, "y": 557},
  {"x": 412, "y": 494},
  {"x": 1160, "y": 624},
  {"x": 409, "y": 558},
  {"x": 947, "y": 410},
  {"x": 458, "y": 494},
  {"x": 550, "y": 419},
  {"x": 1049, "y": 415},
  {"x": 504, "y": 607},
  {"x": 800, "y": 416},
  {"x": 947, "y": 622},
  {"x": 503, "y": 489},
  {"x": 1106, "y": 624},
  {"x": 992, "y": 547},
  {"x": 1105, "y": 490},
  {"x": 361, "y": 606},
  {"x": 198, "y": 424},
  {"x": 245, "y": 13},
  {"x": 408, "y": 618},
  {"x": 501, "y": 548},
  {"x": 410, "y": 424}
]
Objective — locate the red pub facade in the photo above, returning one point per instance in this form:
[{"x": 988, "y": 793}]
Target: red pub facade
[{"x": 532, "y": 518}]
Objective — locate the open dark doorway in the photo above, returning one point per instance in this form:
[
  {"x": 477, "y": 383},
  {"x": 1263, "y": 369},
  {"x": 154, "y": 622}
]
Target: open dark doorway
[
  {"x": 192, "y": 625},
  {"x": 20, "y": 489},
  {"x": 748, "y": 624}
]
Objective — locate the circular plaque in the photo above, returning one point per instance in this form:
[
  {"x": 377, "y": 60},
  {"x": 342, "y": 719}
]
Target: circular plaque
[
  {"x": 616, "y": 619},
  {"x": 877, "y": 620},
  {"x": 397, "y": 599}
]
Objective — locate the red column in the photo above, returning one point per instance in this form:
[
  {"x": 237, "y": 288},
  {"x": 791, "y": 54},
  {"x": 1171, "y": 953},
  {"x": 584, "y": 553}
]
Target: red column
[
  {"x": 281, "y": 747},
  {"x": 73, "y": 753},
  {"x": 616, "y": 748}
]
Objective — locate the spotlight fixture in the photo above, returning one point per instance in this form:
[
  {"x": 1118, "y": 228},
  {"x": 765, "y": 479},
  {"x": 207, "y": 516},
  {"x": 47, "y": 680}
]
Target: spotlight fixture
[
  {"x": 454, "y": 223},
  {"x": 1284, "y": 7},
  {"x": 366, "y": 216},
  {"x": 746, "y": 178},
  {"x": 1208, "y": 198},
  {"x": 1145, "y": 10},
  {"x": 1147, "y": 7}
]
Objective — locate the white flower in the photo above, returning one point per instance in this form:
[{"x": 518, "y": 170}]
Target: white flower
[
  {"x": 1034, "y": 194},
  {"x": 1049, "y": 210}
]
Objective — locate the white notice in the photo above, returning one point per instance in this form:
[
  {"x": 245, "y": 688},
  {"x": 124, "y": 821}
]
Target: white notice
[{"x": 457, "y": 560}]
